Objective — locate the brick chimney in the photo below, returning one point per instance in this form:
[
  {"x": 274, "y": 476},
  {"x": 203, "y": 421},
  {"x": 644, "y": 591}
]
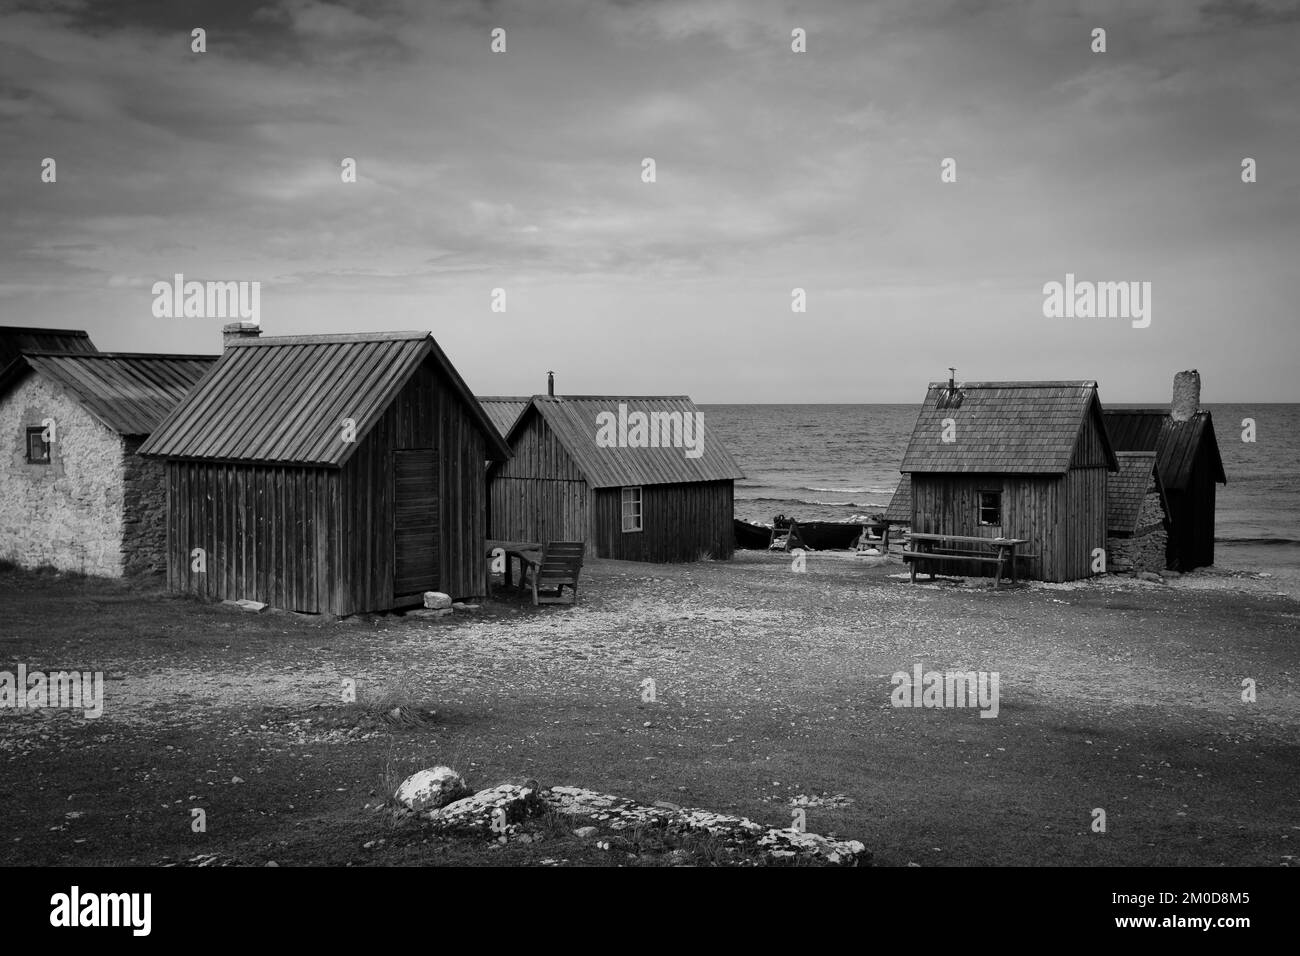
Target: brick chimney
[
  {"x": 239, "y": 332},
  {"x": 1187, "y": 396}
]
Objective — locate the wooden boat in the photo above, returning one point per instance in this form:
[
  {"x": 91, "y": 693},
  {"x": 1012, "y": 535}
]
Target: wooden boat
[
  {"x": 751, "y": 537},
  {"x": 824, "y": 535}
]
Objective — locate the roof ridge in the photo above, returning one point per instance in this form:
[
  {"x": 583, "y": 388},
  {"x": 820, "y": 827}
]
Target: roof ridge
[
  {"x": 328, "y": 338},
  {"x": 1084, "y": 383},
  {"x": 54, "y": 353}
]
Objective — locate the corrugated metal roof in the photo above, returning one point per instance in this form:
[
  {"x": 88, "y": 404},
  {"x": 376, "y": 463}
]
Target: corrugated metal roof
[
  {"x": 280, "y": 400},
  {"x": 503, "y": 410},
  {"x": 1175, "y": 443},
  {"x": 573, "y": 418},
  {"x": 129, "y": 393},
  {"x": 900, "y": 506},
  {"x": 1003, "y": 427},
  {"x": 1126, "y": 490},
  {"x": 21, "y": 338}
]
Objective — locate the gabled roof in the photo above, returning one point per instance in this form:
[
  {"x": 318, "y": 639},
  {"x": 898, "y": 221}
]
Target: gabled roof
[
  {"x": 503, "y": 410},
  {"x": 900, "y": 506},
  {"x": 573, "y": 419},
  {"x": 1005, "y": 427},
  {"x": 1127, "y": 490},
  {"x": 130, "y": 393},
  {"x": 281, "y": 400},
  {"x": 22, "y": 338},
  {"x": 1175, "y": 443}
]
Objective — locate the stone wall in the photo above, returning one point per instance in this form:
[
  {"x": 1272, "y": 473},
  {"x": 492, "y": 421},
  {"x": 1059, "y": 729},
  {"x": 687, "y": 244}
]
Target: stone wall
[
  {"x": 1145, "y": 550},
  {"x": 68, "y": 513},
  {"x": 144, "y": 512}
]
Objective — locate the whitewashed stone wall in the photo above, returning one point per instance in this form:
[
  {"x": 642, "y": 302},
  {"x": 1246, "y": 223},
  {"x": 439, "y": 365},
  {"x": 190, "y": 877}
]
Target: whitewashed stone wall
[{"x": 68, "y": 513}]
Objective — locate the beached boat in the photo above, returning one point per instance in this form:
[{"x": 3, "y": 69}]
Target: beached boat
[
  {"x": 752, "y": 537},
  {"x": 824, "y": 535}
]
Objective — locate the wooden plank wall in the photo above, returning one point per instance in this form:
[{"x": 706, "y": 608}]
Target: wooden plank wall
[
  {"x": 321, "y": 540},
  {"x": 1063, "y": 518},
  {"x": 266, "y": 531},
  {"x": 537, "y": 453},
  {"x": 680, "y": 521},
  {"x": 425, "y": 415},
  {"x": 539, "y": 509}
]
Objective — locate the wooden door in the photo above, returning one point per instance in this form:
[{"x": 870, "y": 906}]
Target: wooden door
[{"x": 415, "y": 521}]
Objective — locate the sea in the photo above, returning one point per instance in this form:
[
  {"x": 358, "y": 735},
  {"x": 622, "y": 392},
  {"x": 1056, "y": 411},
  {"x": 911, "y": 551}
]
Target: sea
[{"x": 838, "y": 462}]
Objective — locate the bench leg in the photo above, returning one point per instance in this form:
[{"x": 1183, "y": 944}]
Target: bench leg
[
  {"x": 997, "y": 572},
  {"x": 913, "y": 567}
]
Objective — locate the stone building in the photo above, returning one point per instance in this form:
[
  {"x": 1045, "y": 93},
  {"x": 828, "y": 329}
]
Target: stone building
[
  {"x": 73, "y": 492},
  {"x": 1137, "y": 515}
]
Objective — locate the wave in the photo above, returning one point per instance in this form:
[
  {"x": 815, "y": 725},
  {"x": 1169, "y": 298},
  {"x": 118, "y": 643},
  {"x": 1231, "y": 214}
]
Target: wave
[
  {"x": 814, "y": 502},
  {"x": 850, "y": 491}
]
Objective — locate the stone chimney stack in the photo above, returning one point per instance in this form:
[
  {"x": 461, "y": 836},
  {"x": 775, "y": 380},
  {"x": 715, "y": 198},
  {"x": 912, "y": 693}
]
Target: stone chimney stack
[
  {"x": 238, "y": 332},
  {"x": 1187, "y": 396}
]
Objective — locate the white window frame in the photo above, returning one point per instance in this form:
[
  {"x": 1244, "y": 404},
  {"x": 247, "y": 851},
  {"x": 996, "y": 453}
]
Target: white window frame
[{"x": 632, "y": 509}]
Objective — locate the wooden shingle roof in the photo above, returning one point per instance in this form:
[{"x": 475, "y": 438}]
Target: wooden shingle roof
[
  {"x": 129, "y": 393},
  {"x": 503, "y": 410},
  {"x": 900, "y": 506},
  {"x": 280, "y": 400},
  {"x": 1176, "y": 444},
  {"x": 1127, "y": 490},
  {"x": 21, "y": 338},
  {"x": 1004, "y": 427},
  {"x": 573, "y": 420}
]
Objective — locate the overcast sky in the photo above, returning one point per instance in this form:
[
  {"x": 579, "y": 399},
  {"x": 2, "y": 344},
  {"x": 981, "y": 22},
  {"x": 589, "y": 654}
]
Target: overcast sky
[{"x": 775, "y": 170}]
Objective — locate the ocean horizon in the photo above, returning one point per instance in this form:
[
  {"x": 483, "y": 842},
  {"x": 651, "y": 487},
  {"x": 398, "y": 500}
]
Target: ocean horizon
[{"x": 838, "y": 462}]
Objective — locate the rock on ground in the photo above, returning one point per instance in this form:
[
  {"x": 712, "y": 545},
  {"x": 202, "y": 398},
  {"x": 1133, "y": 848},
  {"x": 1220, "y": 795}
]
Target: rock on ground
[
  {"x": 436, "y": 600},
  {"x": 431, "y": 789},
  {"x": 617, "y": 813},
  {"x": 477, "y": 814}
]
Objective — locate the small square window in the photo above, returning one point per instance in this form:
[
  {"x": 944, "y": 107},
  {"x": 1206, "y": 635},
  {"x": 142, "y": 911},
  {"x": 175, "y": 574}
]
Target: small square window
[
  {"x": 631, "y": 509},
  {"x": 38, "y": 449},
  {"x": 991, "y": 507}
]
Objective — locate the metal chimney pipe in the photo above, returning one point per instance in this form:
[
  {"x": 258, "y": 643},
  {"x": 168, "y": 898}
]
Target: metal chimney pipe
[
  {"x": 550, "y": 384},
  {"x": 952, "y": 378}
]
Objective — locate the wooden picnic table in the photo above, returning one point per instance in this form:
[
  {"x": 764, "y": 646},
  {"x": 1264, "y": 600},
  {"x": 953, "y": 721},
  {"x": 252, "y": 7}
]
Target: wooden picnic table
[
  {"x": 924, "y": 548},
  {"x": 525, "y": 552}
]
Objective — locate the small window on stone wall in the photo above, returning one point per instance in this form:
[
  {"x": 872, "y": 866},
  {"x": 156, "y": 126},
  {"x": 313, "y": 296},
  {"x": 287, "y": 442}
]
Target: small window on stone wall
[{"x": 38, "y": 449}]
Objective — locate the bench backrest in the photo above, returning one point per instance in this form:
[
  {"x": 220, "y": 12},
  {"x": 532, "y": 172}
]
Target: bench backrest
[{"x": 561, "y": 561}]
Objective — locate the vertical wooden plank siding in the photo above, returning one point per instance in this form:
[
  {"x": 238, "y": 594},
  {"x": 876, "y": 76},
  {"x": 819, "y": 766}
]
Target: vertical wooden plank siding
[
  {"x": 679, "y": 521},
  {"x": 1062, "y": 517}
]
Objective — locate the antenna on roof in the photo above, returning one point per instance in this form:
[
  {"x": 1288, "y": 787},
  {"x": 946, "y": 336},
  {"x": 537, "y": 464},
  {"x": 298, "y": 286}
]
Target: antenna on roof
[{"x": 950, "y": 397}]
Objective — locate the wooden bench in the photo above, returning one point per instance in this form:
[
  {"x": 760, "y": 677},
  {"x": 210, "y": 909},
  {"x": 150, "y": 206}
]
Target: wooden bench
[
  {"x": 938, "y": 549},
  {"x": 557, "y": 568}
]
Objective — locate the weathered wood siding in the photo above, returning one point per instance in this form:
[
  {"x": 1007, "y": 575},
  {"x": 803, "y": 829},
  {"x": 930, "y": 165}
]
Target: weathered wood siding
[
  {"x": 237, "y": 515},
  {"x": 322, "y": 540},
  {"x": 1062, "y": 517},
  {"x": 539, "y": 494},
  {"x": 679, "y": 522},
  {"x": 425, "y": 415},
  {"x": 540, "y": 509}
]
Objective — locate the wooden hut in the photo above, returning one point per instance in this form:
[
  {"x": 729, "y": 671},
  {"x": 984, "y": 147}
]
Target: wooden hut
[
  {"x": 636, "y": 500},
  {"x": 1187, "y": 454},
  {"x": 1137, "y": 514},
  {"x": 74, "y": 493},
  {"x": 1017, "y": 460},
  {"x": 328, "y": 474}
]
